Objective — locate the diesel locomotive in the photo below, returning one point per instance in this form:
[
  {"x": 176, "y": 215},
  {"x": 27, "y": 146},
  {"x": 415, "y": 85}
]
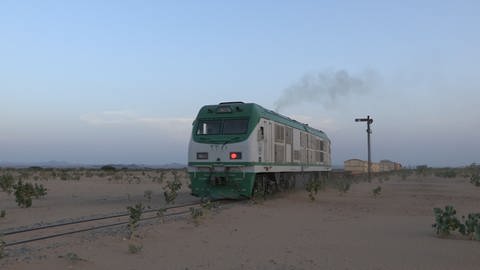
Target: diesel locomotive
[{"x": 237, "y": 149}]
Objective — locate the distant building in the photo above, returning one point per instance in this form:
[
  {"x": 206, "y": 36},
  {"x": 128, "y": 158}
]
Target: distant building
[
  {"x": 386, "y": 165},
  {"x": 398, "y": 166},
  {"x": 358, "y": 166},
  {"x": 375, "y": 167}
]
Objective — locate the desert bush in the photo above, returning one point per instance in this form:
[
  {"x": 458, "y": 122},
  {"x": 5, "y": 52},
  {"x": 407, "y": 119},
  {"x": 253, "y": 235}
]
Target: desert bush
[
  {"x": 39, "y": 190},
  {"x": 135, "y": 214},
  {"x": 24, "y": 175},
  {"x": 170, "y": 190},
  {"x": 445, "y": 220},
  {"x": 313, "y": 185},
  {"x": 196, "y": 214},
  {"x": 137, "y": 179},
  {"x": 159, "y": 178},
  {"x": 72, "y": 257},
  {"x": 468, "y": 171},
  {"x": 134, "y": 248},
  {"x": 76, "y": 176},
  {"x": 382, "y": 177},
  {"x": 6, "y": 183},
  {"x": 24, "y": 192},
  {"x": 147, "y": 194},
  {"x": 446, "y": 173},
  {"x": 117, "y": 177},
  {"x": 88, "y": 174},
  {"x": 161, "y": 213},
  {"x": 376, "y": 191},
  {"x": 471, "y": 227},
  {"x": 108, "y": 168},
  {"x": 208, "y": 205},
  {"x": 475, "y": 179},
  {"x": 404, "y": 174},
  {"x": 343, "y": 185},
  {"x": 423, "y": 170}
]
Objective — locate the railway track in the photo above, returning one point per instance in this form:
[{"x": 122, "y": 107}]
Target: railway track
[{"x": 24, "y": 235}]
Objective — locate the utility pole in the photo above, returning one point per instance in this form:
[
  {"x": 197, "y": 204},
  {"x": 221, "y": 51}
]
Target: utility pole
[{"x": 369, "y": 131}]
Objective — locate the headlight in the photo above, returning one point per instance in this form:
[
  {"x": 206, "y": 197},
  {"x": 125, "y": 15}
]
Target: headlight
[{"x": 202, "y": 155}]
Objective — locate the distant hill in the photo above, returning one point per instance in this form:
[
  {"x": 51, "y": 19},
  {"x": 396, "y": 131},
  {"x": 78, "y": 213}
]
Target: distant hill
[{"x": 63, "y": 164}]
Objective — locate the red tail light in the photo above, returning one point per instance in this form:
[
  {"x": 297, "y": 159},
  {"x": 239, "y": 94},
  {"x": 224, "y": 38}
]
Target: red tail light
[{"x": 235, "y": 155}]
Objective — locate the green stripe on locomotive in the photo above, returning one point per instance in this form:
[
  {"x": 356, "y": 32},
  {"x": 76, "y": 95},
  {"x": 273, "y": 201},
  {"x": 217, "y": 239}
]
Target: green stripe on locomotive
[{"x": 233, "y": 185}]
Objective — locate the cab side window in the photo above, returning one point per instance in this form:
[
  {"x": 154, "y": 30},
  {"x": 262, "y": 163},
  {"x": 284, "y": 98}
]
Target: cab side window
[{"x": 260, "y": 135}]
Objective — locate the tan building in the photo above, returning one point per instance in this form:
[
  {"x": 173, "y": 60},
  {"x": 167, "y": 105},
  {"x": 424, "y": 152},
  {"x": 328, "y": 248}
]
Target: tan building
[
  {"x": 386, "y": 165},
  {"x": 375, "y": 167},
  {"x": 398, "y": 166},
  {"x": 358, "y": 166}
]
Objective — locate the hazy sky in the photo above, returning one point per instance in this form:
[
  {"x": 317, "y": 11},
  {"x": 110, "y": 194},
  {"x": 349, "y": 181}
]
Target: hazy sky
[{"x": 121, "y": 81}]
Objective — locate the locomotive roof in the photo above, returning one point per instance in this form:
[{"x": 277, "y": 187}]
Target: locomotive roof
[{"x": 254, "y": 111}]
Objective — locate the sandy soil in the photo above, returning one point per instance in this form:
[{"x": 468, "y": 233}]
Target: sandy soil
[{"x": 349, "y": 231}]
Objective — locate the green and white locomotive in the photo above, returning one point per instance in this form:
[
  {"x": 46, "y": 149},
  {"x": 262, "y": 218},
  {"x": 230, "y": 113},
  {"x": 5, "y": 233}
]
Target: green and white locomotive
[{"x": 237, "y": 149}]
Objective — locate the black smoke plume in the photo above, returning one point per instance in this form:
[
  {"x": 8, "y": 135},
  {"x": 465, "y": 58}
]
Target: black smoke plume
[{"x": 325, "y": 88}]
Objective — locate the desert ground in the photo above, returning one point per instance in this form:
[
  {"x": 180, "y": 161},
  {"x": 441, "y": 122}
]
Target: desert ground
[{"x": 337, "y": 230}]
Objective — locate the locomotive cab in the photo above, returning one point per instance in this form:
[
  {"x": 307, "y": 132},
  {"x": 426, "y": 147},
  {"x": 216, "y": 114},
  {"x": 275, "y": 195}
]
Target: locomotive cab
[{"x": 218, "y": 151}]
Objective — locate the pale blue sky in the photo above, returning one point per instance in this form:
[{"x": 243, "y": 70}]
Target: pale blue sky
[{"x": 121, "y": 81}]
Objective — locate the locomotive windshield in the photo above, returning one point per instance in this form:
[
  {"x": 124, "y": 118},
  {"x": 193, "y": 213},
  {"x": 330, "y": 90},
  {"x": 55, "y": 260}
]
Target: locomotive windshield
[
  {"x": 226, "y": 127},
  {"x": 209, "y": 127},
  {"x": 235, "y": 126}
]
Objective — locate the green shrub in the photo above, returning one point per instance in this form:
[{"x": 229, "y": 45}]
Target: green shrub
[
  {"x": 170, "y": 190},
  {"x": 446, "y": 173},
  {"x": 208, "y": 204},
  {"x": 471, "y": 227},
  {"x": 64, "y": 175},
  {"x": 6, "y": 183},
  {"x": 39, "y": 190},
  {"x": 423, "y": 170},
  {"x": 161, "y": 213},
  {"x": 475, "y": 179},
  {"x": 376, "y": 191},
  {"x": 313, "y": 185},
  {"x": 3, "y": 213},
  {"x": 134, "y": 248},
  {"x": 24, "y": 192},
  {"x": 445, "y": 220},
  {"x": 147, "y": 194},
  {"x": 108, "y": 168},
  {"x": 343, "y": 185},
  {"x": 135, "y": 214},
  {"x": 196, "y": 214},
  {"x": 72, "y": 257},
  {"x": 404, "y": 174}
]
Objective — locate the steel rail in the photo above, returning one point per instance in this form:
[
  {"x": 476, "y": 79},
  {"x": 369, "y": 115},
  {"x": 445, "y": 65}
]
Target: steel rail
[
  {"x": 86, "y": 229},
  {"x": 95, "y": 227},
  {"x": 92, "y": 219}
]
